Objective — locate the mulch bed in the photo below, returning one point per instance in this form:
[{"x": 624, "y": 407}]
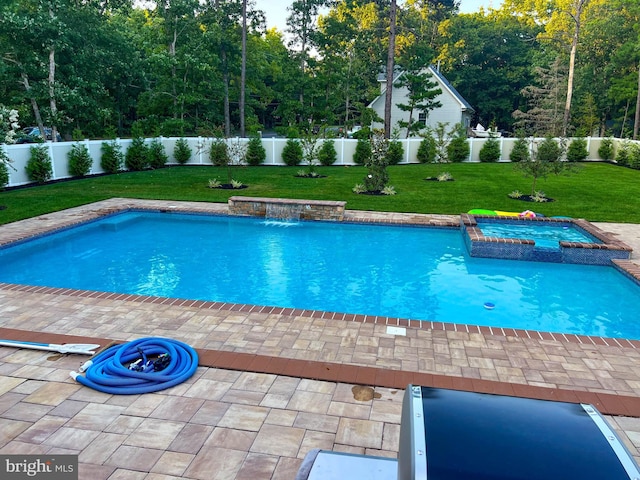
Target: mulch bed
[{"x": 228, "y": 186}]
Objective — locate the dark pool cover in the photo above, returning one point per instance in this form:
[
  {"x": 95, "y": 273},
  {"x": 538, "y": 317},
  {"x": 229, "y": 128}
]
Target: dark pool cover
[{"x": 481, "y": 437}]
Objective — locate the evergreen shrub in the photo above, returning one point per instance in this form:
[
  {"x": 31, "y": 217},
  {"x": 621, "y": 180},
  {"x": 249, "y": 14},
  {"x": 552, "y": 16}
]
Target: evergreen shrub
[
  {"x": 327, "y": 154},
  {"x": 80, "y": 161},
  {"x": 427, "y": 150},
  {"x": 292, "y": 152},
  {"x": 39, "y": 168},
  {"x": 182, "y": 151},
  {"x": 490, "y": 150},
  {"x": 256, "y": 153},
  {"x": 112, "y": 158},
  {"x": 577, "y": 150},
  {"x": 156, "y": 155}
]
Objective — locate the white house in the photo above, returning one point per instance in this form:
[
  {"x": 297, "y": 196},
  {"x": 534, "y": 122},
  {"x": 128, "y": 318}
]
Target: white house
[{"x": 454, "y": 109}]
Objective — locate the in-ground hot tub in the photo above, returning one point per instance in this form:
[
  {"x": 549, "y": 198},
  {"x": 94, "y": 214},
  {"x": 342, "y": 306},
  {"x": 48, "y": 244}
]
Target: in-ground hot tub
[{"x": 540, "y": 239}]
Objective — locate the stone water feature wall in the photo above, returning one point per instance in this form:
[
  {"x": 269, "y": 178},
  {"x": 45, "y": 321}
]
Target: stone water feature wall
[{"x": 286, "y": 208}]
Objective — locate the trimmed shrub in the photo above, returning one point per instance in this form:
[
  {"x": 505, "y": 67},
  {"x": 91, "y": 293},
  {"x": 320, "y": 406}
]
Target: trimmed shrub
[
  {"x": 182, "y": 151},
  {"x": 327, "y": 154},
  {"x": 137, "y": 156},
  {"x": 623, "y": 154},
  {"x": 39, "y": 167},
  {"x": 629, "y": 155},
  {"x": 363, "y": 151},
  {"x": 256, "y": 153},
  {"x": 520, "y": 151},
  {"x": 548, "y": 151},
  {"x": 156, "y": 155},
  {"x": 4, "y": 168},
  {"x": 4, "y": 175},
  {"x": 112, "y": 157},
  {"x": 458, "y": 149},
  {"x": 80, "y": 161},
  {"x": 292, "y": 152},
  {"x": 577, "y": 150},
  {"x": 490, "y": 150},
  {"x": 395, "y": 152},
  {"x": 606, "y": 150},
  {"x": 427, "y": 150},
  {"x": 219, "y": 152}
]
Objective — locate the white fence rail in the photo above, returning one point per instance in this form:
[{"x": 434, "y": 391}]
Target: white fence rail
[{"x": 345, "y": 148}]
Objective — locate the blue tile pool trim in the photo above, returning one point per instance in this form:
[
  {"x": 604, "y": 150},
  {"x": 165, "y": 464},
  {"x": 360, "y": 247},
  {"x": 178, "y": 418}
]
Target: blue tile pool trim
[{"x": 602, "y": 253}]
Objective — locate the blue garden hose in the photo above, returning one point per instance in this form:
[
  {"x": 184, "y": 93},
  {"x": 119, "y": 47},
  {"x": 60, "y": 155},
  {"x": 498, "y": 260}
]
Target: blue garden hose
[{"x": 109, "y": 371}]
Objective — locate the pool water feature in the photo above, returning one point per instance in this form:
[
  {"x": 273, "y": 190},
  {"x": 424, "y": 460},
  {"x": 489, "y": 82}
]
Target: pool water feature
[{"x": 396, "y": 271}]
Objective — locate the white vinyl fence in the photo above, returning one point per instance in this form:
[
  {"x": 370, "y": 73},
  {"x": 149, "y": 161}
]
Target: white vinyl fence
[{"x": 345, "y": 148}]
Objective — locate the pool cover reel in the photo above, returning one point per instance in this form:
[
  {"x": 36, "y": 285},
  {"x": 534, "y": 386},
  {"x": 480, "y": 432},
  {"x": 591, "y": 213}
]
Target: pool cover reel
[{"x": 110, "y": 371}]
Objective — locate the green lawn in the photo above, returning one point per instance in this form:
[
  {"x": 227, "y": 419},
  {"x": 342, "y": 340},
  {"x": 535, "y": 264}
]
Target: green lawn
[{"x": 598, "y": 192}]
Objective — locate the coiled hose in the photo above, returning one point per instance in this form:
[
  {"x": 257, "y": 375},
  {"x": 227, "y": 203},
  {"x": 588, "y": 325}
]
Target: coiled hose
[{"x": 109, "y": 372}]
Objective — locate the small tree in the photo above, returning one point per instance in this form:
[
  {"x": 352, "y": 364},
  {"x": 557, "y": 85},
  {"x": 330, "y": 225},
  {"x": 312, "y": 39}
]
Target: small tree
[
  {"x": 80, "y": 161},
  {"x": 458, "y": 149},
  {"x": 327, "y": 154},
  {"x": 577, "y": 150},
  {"x": 309, "y": 144},
  {"x": 292, "y": 152},
  {"x": 156, "y": 154},
  {"x": 546, "y": 160},
  {"x": 112, "y": 158},
  {"x": 606, "y": 150},
  {"x": 427, "y": 149},
  {"x": 441, "y": 137},
  {"x": 256, "y": 154},
  {"x": 377, "y": 176},
  {"x": 182, "y": 151},
  {"x": 237, "y": 151},
  {"x": 39, "y": 168},
  {"x": 490, "y": 151}
]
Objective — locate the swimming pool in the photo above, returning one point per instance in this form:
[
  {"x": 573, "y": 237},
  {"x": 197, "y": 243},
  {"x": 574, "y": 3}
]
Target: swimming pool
[{"x": 407, "y": 272}]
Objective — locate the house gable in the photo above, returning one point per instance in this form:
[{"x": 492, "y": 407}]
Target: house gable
[{"x": 455, "y": 109}]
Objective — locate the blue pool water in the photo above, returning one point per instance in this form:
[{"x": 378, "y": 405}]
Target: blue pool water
[
  {"x": 546, "y": 235},
  {"x": 406, "y": 272}
]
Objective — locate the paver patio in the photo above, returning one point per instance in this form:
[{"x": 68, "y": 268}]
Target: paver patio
[{"x": 274, "y": 383}]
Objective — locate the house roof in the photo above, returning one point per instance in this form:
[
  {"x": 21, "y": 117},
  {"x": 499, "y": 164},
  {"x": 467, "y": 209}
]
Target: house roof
[{"x": 466, "y": 106}]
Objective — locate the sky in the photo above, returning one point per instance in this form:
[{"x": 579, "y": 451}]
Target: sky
[{"x": 276, "y": 10}]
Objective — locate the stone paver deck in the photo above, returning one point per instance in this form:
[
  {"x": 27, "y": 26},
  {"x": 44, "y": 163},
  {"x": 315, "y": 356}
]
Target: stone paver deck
[{"x": 274, "y": 383}]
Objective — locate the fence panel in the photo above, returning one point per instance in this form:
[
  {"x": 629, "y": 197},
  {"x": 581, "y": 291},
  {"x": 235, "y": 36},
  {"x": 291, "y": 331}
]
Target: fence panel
[{"x": 200, "y": 146}]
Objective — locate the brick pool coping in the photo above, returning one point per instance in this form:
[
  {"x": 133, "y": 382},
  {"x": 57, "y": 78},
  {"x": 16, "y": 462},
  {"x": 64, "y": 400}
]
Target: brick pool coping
[
  {"x": 606, "y": 403},
  {"x": 346, "y": 317}
]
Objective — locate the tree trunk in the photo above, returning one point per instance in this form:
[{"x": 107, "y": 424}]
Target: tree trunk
[
  {"x": 34, "y": 102},
  {"x": 52, "y": 97},
  {"x": 390, "y": 64},
  {"x": 243, "y": 73},
  {"x": 225, "y": 79},
  {"x": 636, "y": 121},
  {"x": 580, "y": 4}
]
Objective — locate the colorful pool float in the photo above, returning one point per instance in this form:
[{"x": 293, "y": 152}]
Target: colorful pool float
[{"x": 500, "y": 213}]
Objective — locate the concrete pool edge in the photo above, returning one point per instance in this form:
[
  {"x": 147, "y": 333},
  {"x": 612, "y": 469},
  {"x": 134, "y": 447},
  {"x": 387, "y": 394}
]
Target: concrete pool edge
[
  {"x": 345, "y": 317},
  {"x": 606, "y": 403}
]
